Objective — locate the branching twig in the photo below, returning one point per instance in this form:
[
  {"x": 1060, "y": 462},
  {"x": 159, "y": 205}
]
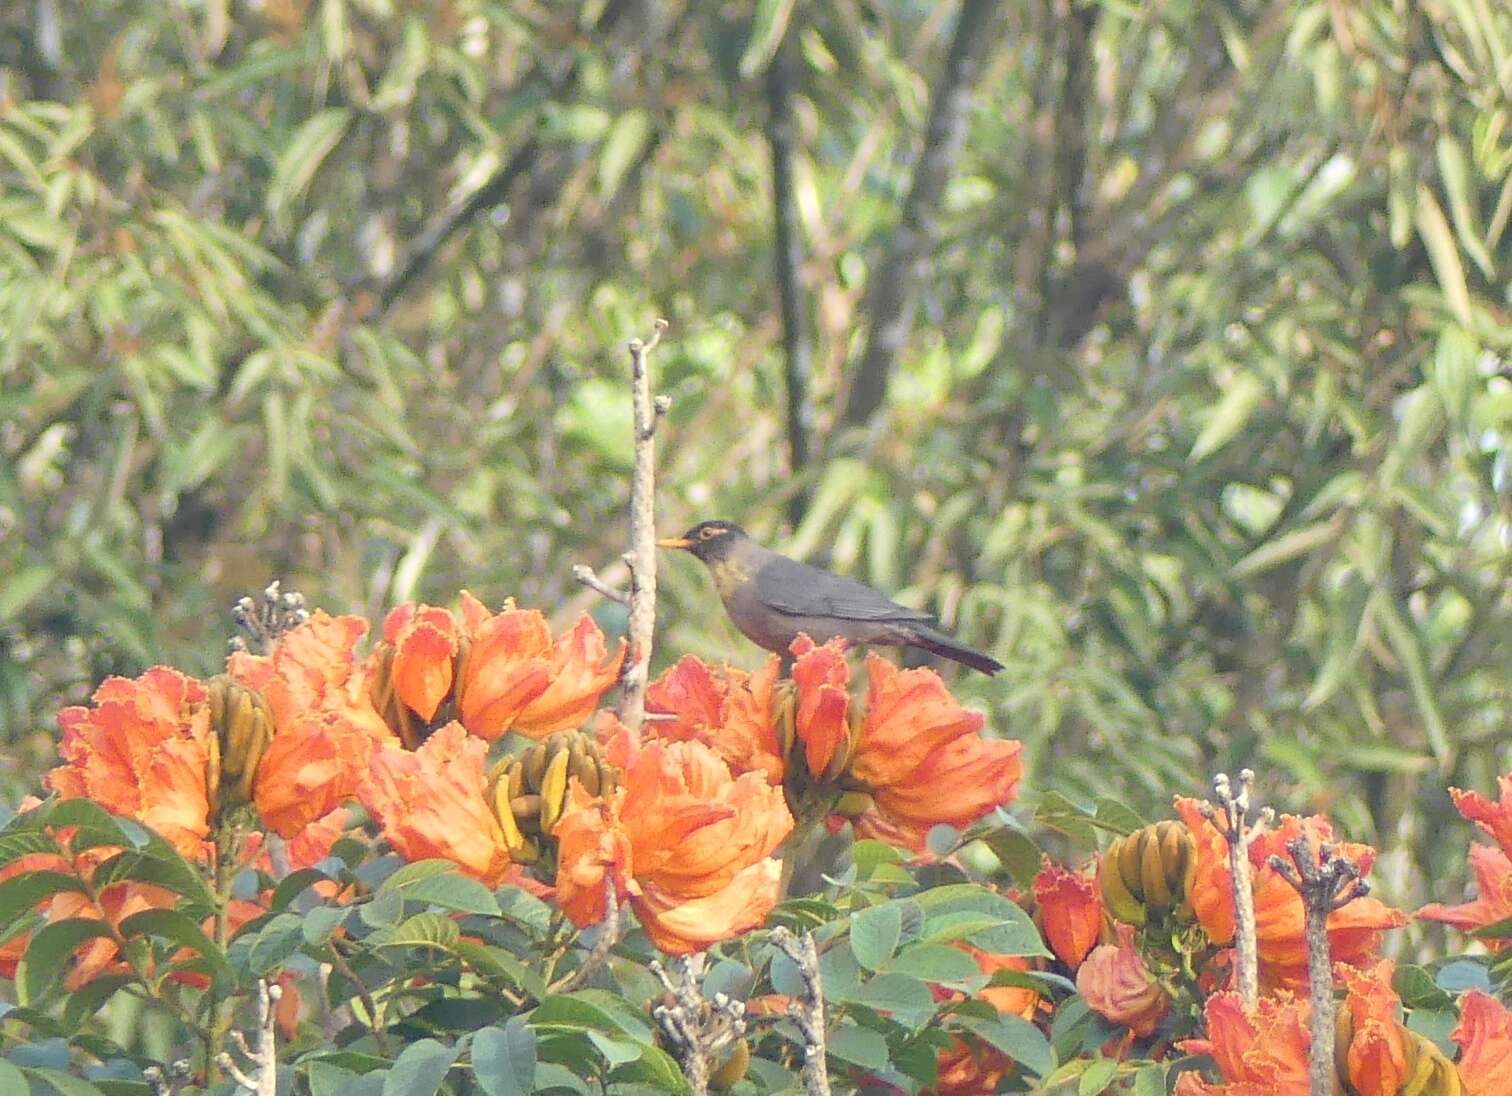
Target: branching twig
[
  {"x": 894, "y": 289},
  {"x": 642, "y": 555},
  {"x": 786, "y": 249},
  {"x": 1327, "y": 882},
  {"x": 588, "y": 577},
  {"x": 365, "y": 995},
  {"x": 263, "y": 1080},
  {"x": 1231, "y": 816},
  {"x": 697, "y": 1028},
  {"x": 809, "y": 1014}
]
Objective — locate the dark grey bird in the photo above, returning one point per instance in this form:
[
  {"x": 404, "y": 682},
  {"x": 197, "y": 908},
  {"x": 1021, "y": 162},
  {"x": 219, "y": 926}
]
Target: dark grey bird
[{"x": 772, "y": 599}]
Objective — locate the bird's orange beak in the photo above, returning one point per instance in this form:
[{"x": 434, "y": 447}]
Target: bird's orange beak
[{"x": 675, "y": 542}]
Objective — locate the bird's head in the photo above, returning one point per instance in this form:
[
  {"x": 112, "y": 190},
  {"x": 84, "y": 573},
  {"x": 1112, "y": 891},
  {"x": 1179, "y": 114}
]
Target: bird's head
[{"x": 709, "y": 540}]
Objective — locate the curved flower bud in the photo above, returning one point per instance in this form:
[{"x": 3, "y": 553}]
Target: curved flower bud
[{"x": 1070, "y": 911}]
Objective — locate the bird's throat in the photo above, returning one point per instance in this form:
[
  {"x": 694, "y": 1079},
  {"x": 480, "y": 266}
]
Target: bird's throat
[{"x": 729, "y": 575}]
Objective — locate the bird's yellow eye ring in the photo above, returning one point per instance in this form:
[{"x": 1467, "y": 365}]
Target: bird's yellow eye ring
[{"x": 707, "y": 534}]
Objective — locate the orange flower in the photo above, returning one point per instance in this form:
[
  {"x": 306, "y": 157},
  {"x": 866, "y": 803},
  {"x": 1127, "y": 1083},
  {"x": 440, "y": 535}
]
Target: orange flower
[
  {"x": 1260, "y": 1055},
  {"x": 1493, "y": 876},
  {"x": 517, "y": 679},
  {"x": 1354, "y": 931},
  {"x": 424, "y": 639},
  {"x": 1021, "y": 1001},
  {"x": 728, "y": 710},
  {"x": 1377, "y": 1058},
  {"x": 324, "y": 725},
  {"x": 1494, "y": 819},
  {"x": 1492, "y": 867},
  {"x": 922, "y": 758},
  {"x": 1484, "y": 1034},
  {"x": 685, "y": 842},
  {"x": 1070, "y": 907},
  {"x": 430, "y": 802},
  {"x": 1118, "y": 986},
  {"x": 823, "y": 681},
  {"x": 141, "y": 751}
]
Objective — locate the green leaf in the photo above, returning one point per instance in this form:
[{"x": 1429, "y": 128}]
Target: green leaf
[
  {"x": 320, "y": 922},
  {"x": 767, "y": 30},
  {"x": 1444, "y": 255},
  {"x": 625, "y": 142},
  {"x": 181, "y": 929},
  {"x": 857, "y": 1045},
  {"x": 302, "y": 156},
  {"x": 432, "y": 930},
  {"x": 1455, "y": 170},
  {"x": 654, "y": 1067},
  {"x": 419, "y": 1069},
  {"x": 407, "y": 875},
  {"x": 1018, "y": 854},
  {"x": 504, "y": 1059},
  {"x": 47, "y": 954},
  {"x": 453, "y": 892},
  {"x": 1097, "y": 1077},
  {"x": 1150, "y": 1080},
  {"x": 1229, "y": 417},
  {"x": 874, "y": 934},
  {"x": 901, "y": 995},
  {"x": 276, "y": 941},
  {"x": 983, "y": 917},
  {"x": 1017, "y": 1038},
  {"x": 62, "y": 1083},
  {"x": 11, "y": 1079},
  {"x": 22, "y": 892},
  {"x": 935, "y": 963},
  {"x": 1285, "y": 548},
  {"x": 23, "y": 586}
]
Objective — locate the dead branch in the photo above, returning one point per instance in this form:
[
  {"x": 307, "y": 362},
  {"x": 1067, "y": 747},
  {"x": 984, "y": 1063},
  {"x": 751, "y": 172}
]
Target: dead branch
[
  {"x": 697, "y": 1028},
  {"x": 809, "y": 1013},
  {"x": 1231, "y": 816},
  {"x": 263, "y": 1055}
]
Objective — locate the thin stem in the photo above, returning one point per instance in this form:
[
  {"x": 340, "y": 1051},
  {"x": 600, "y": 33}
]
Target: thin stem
[{"x": 642, "y": 555}]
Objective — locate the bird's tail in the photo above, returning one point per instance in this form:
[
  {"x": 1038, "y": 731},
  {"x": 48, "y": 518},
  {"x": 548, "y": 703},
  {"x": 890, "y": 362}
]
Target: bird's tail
[{"x": 946, "y": 647}]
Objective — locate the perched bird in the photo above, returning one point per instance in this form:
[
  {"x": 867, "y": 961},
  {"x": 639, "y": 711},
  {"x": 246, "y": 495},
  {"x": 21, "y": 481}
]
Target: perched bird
[{"x": 772, "y": 598}]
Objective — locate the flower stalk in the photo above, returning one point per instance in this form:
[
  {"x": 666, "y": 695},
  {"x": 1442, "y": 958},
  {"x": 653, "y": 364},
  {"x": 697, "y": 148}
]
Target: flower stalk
[{"x": 1233, "y": 810}]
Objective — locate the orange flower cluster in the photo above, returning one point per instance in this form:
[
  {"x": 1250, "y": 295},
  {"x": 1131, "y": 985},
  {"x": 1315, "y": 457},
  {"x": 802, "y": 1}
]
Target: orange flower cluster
[
  {"x": 916, "y": 756},
  {"x": 494, "y": 672},
  {"x": 969, "y": 1067},
  {"x": 1266, "y": 1053},
  {"x": 1354, "y": 931},
  {"x": 1492, "y": 866},
  {"x": 687, "y": 843}
]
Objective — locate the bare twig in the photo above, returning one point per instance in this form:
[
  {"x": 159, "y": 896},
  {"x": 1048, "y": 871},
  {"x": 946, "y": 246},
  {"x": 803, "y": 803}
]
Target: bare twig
[
  {"x": 895, "y": 287},
  {"x": 808, "y": 1014},
  {"x": 169, "y": 1080},
  {"x": 642, "y": 555},
  {"x": 787, "y": 252},
  {"x": 263, "y": 1056},
  {"x": 365, "y": 995},
  {"x": 609, "y": 934},
  {"x": 1231, "y": 816},
  {"x": 589, "y": 578},
  {"x": 1327, "y": 882},
  {"x": 697, "y": 1028}
]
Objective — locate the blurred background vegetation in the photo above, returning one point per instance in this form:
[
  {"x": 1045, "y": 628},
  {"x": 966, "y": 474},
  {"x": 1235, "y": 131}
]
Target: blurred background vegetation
[{"x": 1160, "y": 348}]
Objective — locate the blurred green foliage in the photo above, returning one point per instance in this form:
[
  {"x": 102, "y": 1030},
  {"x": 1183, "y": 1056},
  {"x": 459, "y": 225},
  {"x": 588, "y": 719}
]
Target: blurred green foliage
[{"x": 1201, "y": 426}]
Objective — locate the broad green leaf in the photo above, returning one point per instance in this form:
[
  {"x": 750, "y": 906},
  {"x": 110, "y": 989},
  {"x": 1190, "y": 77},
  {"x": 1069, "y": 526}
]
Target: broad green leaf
[
  {"x": 430, "y": 930},
  {"x": 419, "y": 1069},
  {"x": 935, "y": 963},
  {"x": 455, "y": 892},
  {"x": 1097, "y": 1077},
  {"x": 181, "y": 929},
  {"x": 1017, "y": 1038},
  {"x": 62, "y": 1083},
  {"x": 874, "y": 934},
  {"x": 625, "y": 142},
  {"x": 857, "y": 1045},
  {"x": 504, "y": 1059},
  {"x": 1463, "y": 207},
  {"x": 22, "y": 892}
]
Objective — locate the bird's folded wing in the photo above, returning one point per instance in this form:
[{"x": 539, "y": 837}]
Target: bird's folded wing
[{"x": 796, "y": 589}]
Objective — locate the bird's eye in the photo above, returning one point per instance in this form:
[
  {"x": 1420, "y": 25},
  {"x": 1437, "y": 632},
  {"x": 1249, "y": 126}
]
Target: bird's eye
[{"x": 707, "y": 534}]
